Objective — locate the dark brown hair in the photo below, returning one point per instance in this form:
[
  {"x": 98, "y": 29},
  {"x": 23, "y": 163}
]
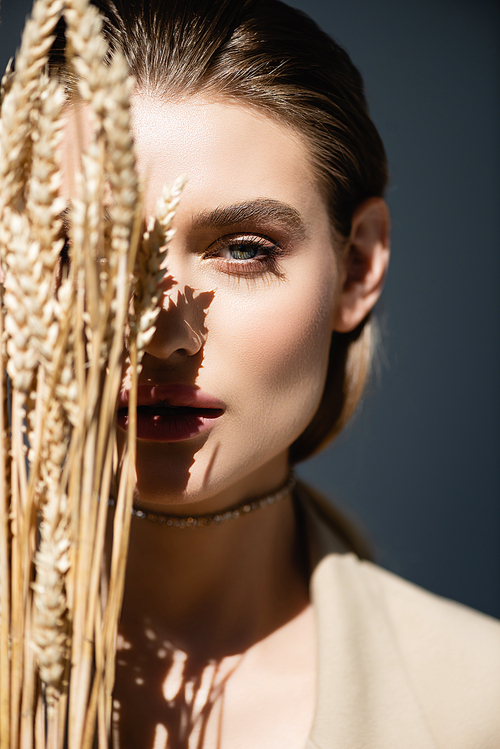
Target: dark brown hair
[{"x": 275, "y": 58}]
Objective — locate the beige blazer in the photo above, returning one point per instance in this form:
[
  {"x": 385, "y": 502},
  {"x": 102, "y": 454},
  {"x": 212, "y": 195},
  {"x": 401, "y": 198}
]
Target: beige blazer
[{"x": 398, "y": 667}]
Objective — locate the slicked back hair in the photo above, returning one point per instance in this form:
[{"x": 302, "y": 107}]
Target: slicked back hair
[{"x": 273, "y": 57}]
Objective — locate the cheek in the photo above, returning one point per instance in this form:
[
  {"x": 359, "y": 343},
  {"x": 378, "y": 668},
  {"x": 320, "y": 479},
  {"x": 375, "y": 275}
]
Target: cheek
[{"x": 278, "y": 342}]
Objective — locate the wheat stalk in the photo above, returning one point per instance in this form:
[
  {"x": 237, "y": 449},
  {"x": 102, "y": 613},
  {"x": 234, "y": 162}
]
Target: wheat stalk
[{"x": 5, "y": 566}]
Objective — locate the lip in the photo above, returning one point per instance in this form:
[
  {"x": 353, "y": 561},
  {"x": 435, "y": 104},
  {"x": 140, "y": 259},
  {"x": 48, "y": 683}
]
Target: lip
[
  {"x": 170, "y": 412},
  {"x": 182, "y": 396}
]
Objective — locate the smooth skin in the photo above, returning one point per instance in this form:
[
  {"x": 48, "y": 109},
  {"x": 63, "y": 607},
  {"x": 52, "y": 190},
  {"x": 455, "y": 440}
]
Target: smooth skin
[{"x": 257, "y": 283}]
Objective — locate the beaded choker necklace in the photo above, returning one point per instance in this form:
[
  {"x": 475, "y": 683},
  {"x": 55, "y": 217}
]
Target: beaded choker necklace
[{"x": 216, "y": 518}]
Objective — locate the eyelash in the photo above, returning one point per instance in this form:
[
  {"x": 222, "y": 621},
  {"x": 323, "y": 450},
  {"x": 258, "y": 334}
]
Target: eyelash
[{"x": 264, "y": 264}]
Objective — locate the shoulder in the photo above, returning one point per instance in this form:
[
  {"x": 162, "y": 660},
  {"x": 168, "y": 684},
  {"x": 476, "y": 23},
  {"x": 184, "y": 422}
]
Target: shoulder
[
  {"x": 452, "y": 656},
  {"x": 409, "y": 645}
]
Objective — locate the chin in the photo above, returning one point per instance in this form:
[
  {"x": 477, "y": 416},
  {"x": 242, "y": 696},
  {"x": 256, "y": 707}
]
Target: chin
[
  {"x": 171, "y": 475},
  {"x": 163, "y": 484}
]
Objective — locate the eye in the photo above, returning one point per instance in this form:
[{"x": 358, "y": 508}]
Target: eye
[
  {"x": 241, "y": 251},
  {"x": 62, "y": 270},
  {"x": 249, "y": 255},
  {"x": 64, "y": 254}
]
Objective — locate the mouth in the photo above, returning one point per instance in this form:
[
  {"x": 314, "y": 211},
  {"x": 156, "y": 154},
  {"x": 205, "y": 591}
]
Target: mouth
[{"x": 170, "y": 413}]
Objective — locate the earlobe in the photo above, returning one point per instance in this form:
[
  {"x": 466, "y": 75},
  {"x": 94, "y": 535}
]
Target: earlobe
[{"x": 364, "y": 265}]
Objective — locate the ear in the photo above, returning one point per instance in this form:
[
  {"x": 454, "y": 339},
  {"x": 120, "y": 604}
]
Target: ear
[{"x": 364, "y": 264}]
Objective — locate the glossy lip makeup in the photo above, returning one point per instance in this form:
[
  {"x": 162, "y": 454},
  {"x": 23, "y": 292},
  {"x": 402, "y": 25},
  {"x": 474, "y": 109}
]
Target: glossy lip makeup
[{"x": 170, "y": 413}]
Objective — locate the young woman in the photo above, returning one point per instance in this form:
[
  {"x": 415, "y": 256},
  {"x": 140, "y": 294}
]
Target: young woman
[{"x": 249, "y": 617}]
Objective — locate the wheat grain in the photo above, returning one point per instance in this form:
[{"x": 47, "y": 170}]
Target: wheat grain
[{"x": 7, "y": 79}]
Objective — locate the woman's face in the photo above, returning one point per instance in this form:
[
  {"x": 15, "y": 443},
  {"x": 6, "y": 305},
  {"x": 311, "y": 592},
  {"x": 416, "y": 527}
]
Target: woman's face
[{"x": 248, "y": 306}]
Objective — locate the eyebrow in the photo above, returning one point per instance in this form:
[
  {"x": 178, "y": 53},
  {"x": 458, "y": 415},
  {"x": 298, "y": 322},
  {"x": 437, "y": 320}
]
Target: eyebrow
[
  {"x": 263, "y": 209},
  {"x": 66, "y": 213}
]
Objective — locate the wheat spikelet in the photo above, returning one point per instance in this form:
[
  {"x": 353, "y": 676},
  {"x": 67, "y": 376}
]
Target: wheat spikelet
[
  {"x": 50, "y": 629},
  {"x": 20, "y": 285},
  {"x": 18, "y": 108},
  {"x": 43, "y": 208},
  {"x": 86, "y": 50},
  {"x": 120, "y": 151},
  {"x": 150, "y": 266}
]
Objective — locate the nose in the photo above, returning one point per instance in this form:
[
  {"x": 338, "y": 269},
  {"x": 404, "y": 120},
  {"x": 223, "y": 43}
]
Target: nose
[{"x": 180, "y": 327}]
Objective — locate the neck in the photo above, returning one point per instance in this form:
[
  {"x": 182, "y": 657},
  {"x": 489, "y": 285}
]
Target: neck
[{"x": 214, "y": 590}]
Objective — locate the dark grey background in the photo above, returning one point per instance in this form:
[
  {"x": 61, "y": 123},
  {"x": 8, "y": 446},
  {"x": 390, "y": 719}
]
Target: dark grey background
[{"x": 419, "y": 468}]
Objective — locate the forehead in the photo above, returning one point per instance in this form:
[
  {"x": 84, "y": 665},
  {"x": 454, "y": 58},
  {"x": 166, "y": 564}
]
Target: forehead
[
  {"x": 227, "y": 149},
  {"x": 231, "y": 153}
]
